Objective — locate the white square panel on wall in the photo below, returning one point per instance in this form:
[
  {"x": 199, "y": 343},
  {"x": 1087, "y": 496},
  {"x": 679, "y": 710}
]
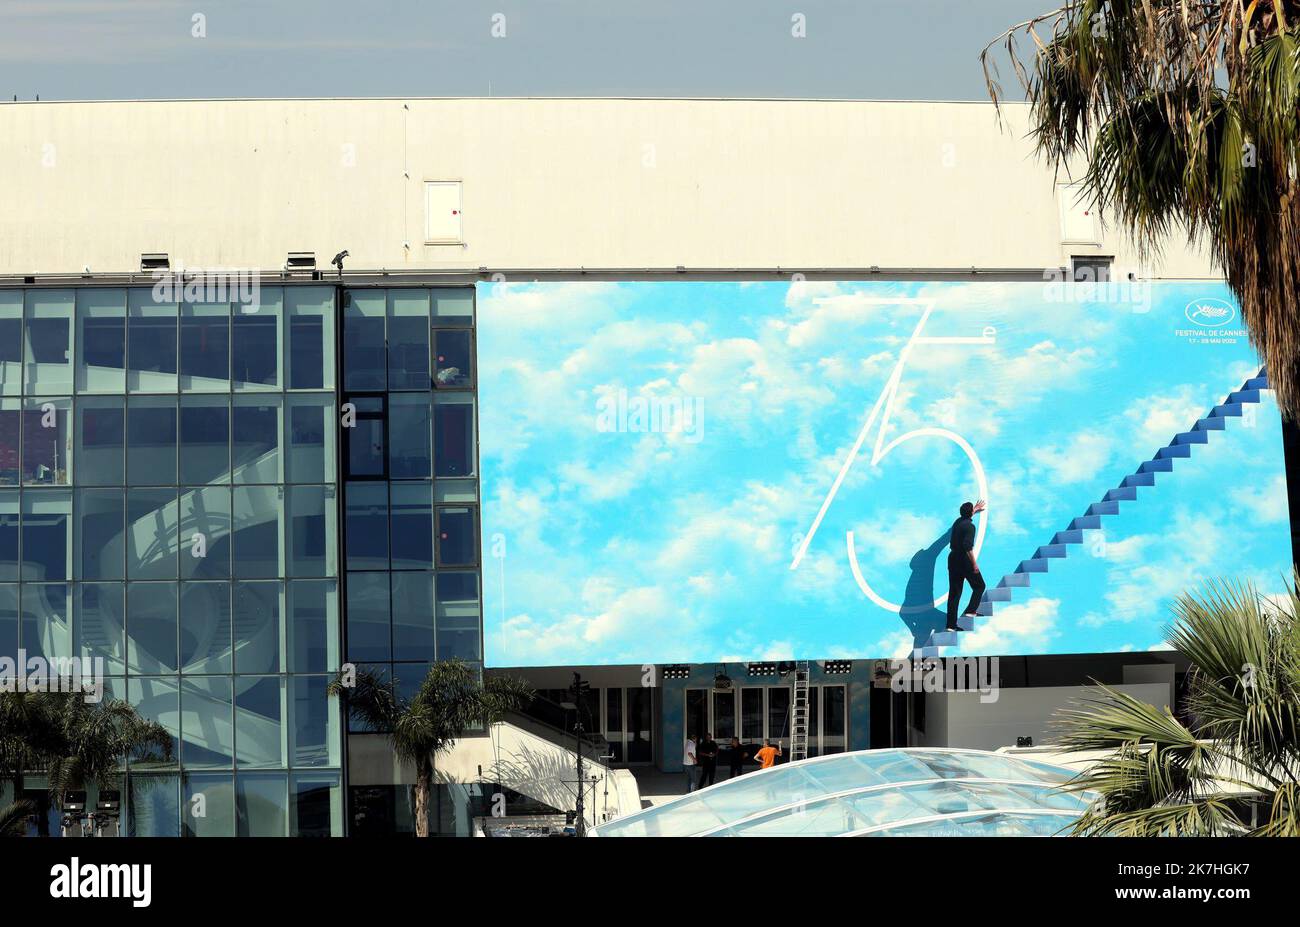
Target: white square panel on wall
[
  {"x": 442, "y": 212},
  {"x": 1079, "y": 225}
]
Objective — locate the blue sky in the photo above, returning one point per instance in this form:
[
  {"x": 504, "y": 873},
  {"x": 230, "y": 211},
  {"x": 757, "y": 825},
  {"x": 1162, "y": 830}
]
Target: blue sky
[{"x": 625, "y": 544}]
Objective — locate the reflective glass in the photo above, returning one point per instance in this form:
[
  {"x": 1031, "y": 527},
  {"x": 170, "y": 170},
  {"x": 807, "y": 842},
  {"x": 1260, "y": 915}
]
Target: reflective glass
[
  {"x": 46, "y": 629},
  {"x": 408, "y": 339},
  {"x": 368, "y": 621},
  {"x": 453, "y": 434},
  {"x": 258, "y": 627},
  {"x": 150, "y": 343},
  {"x": 11, "y": 342},
  {"x": 309, "y": 312},
  {"x": 47, "y": 342},
  {"x": 47, "y": 535},
  {"x": 151, "y": 440},
  {"x": 207, "y": 722},
  {"x": 47, "y": 442},
  {"x": 453, "y": 306},
  {"x": 10, "y": 568},
  {"x": 364, "y": 355},
  {"x": 315, "y": 722},
  {"x": 257, "y": 431},
  {"x": 101, "y": 534},
  {"x": 258, "y": 712},
  {"x": 152, "y": 541},
  {"x": 457, "y": 536},
  {"x": 151, "y": 630},
  {"x": 411, "y": 519},
  {"x": 367, "y": 526},
  {"x": 255, "y": 342},
  {"x": 257, "y": 531},
  {"x": 101, "y": 340},
  {"x": 212, "y": 794},
  {"x": 9, "y": 620},
  {"x": 412, "y": 603},
  {"x": 11, "y": 418},
  {"x": 365, "y": 437},
  {"x": 205, "y": 347},
  {"x": 261, "y": 805},
  {"x": 453, "y": 359},
  {"x": 313, "y": 530},
  {"x": 205, "y": 632},
  {"x": 313, "y": 626},
  {"x": 316, "y": 808},
  {"x": 101, "y": 452},
  {"x": 205, "y": 440},
  {"x": 153, "y": 806},
  {"x": 311, "y": 428},
  {"x": 458, "y": 616},
  {"x": 156, "y": 700},
  {"x": 409, "y": 433},
  {"x": 100, "y": 625}
]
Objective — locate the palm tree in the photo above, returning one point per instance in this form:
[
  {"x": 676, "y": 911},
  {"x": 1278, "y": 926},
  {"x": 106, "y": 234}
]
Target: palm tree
[
  {"x": 1185, "y": 116},
  {"x": 450, "y": 701},
  {"x": 1235, "y": 767},
  {"x": 72, "y": 741},
  {"x": 13, "y": 818}
]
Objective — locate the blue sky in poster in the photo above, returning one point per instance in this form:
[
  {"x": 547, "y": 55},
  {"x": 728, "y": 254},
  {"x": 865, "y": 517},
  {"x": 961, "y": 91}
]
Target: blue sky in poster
[{"x": 655, "y": 454}]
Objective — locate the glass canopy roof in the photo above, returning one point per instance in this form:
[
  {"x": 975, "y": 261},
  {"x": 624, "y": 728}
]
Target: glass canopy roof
[{"x": 872, "y": 793}]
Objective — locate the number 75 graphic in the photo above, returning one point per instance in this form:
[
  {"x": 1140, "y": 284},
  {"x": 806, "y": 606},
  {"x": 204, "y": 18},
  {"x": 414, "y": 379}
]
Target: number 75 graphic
[{"x": 879, "y": 419}]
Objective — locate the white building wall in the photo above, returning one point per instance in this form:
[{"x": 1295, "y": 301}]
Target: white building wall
[{"x": 548, "y": 185}]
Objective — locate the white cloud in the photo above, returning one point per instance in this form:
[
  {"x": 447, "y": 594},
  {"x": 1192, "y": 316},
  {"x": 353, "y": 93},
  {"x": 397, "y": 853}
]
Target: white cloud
[
  {"x": 1085, "y": 455},
  {"x": 1018, "y": 628},
  {"x": 1266, "y": 503}
]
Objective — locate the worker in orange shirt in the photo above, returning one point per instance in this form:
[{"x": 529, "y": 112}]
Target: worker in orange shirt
[{"x": 767, "y": 755}]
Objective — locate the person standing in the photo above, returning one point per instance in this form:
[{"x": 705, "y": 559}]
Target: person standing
[
  {"x": 708, "y": 755},
  {"x": 690, "y": 764},
  {"x": 737, "y": 758},
  {"x": 961, "y": 564},
  {"x": 767, "y": 755}
]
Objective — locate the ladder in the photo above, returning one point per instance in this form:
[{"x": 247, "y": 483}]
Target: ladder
[{"x": 799, "y": 713}]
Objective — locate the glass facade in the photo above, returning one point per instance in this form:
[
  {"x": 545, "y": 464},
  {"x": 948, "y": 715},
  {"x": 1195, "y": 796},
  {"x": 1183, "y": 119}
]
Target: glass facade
[{"x": 177, "y": 498}]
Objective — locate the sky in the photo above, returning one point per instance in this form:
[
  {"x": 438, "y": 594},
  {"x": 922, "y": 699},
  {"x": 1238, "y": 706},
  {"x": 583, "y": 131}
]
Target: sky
[
  {"x": 849, "y": 49},
  {"x": 654, "y": 454}
]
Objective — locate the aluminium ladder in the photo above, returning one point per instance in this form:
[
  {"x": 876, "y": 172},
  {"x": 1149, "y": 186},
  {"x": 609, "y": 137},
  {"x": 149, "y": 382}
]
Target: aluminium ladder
[{"x": 799, "y": 713}]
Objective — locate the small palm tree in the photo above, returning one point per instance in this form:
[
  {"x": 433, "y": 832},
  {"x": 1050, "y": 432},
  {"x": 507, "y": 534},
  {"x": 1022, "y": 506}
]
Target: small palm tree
[
  {"x": 1235, "y": 768},
  {"x": 72, "y": 741},
  {"x": 1184, "y": 117},
  {"x": 13, "y": 818},
  {"x": 450, "y": 701}
]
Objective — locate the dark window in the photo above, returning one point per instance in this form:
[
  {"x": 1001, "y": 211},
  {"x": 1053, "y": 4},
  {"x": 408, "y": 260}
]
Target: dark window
[
  {"x": 306, "y": 352},
  {"x": 152, "y": 343},
  {"x": 103, "y": 342},
  {"x": 366, "y": 455},
  {"x": 453, "y": 359},
  {"x": 408, "y": 352},
  {"x": 256, "y": 347},
  {"x": 457, "y": 539},
  {"x": 367, "y": 526},
  {"x": 205, "y": 346},
  {"x": 205, "y": 441},
  {"x": 453, "y": 438}
]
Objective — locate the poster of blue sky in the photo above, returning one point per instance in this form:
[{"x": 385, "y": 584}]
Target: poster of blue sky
[{"x": 700, "y": 471}]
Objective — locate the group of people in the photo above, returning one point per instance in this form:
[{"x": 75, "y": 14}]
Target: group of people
[{"x": 700, "y": 759}]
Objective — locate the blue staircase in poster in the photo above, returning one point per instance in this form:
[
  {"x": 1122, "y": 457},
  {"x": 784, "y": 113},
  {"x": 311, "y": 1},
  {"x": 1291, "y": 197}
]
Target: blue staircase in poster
[{"x": 1127, "y": 491}]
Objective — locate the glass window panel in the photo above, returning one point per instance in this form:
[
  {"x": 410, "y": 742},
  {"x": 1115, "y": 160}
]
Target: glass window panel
[
  {"x": 209, "y": 808},
  {"x": 778, "y": 714},
  {"x": 453, "y": 359},
  {"x": 205, "y": 533},
  {"x": 47, "y": 442},
  {"x": 316, "y": 805},
  {"x": 257, "y": 430},
  {"x": 409, "y": 434},
  {"x": 9, "y": 620},
  {"x": 311, "y": 430},
  {"x": 151, "y": 440},
  {"x": 313, "y": 530},
  {"x": 151, "y": 631},
  {"x": 724, "y": 715},
  {"x": 205, "y": 641},
  {"x": 408, "y": 339},
  {"x": 47, "y": 341},
  {"x": 156, "y": 700},
  {"x": 411, "y": 517},
  {"x": 261, "y": 805},
  {"x": 255, "y": 342},
  {"x": 152, "y": 541},
  {"x": 457, "y": 536},
  {"x": 367, "y": 526},
  {"x": 368, "y": 622},
  {"x": 101, "y": 427},
  {"x": 46, "y": 629},
  {"x": 207, "y": 722},
  {"x": 101, "y": 340},
  {"x": 257, "y": 532},
  {"x": 259, "y": 709},
  {"x": 47, "y": 535},
  {"x": 315, "y": 722},
  {"x": 205, "y": 347},
  {"x": 150, "y": 343},
  {"x": 833, "y": 723},
  {"x": 100, "y": 625},
  {"x": 413, "y": 616},
  {"x": 101, "y": 534},
  {"x": 309, "y": 312},
  {"x": 11, "y": 418},
  {"x": 365, "y": 437},
  {"x": 453, "y": 434},
  {"x": 453, "y": 306},
  {"x": 205, "y": 440},
  {"x": 258, "y": 628},
  {"x": 458, "y": 616},
  {"x": 407, "y": 678},
  {"x": 11, "y": 342},
  {"x": 455, "y": 491},
  {"x": 153, "y": 806},
  {"x": 751, "y": 714},
  {"x": 10, "y": 569},
  {"x": 364, "y": 355},
  {"x": 313, "y": 626}
]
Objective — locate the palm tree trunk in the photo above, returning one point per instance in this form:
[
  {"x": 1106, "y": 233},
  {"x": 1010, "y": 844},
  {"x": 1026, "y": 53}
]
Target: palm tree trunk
[{"x": 423, "y": 781}]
